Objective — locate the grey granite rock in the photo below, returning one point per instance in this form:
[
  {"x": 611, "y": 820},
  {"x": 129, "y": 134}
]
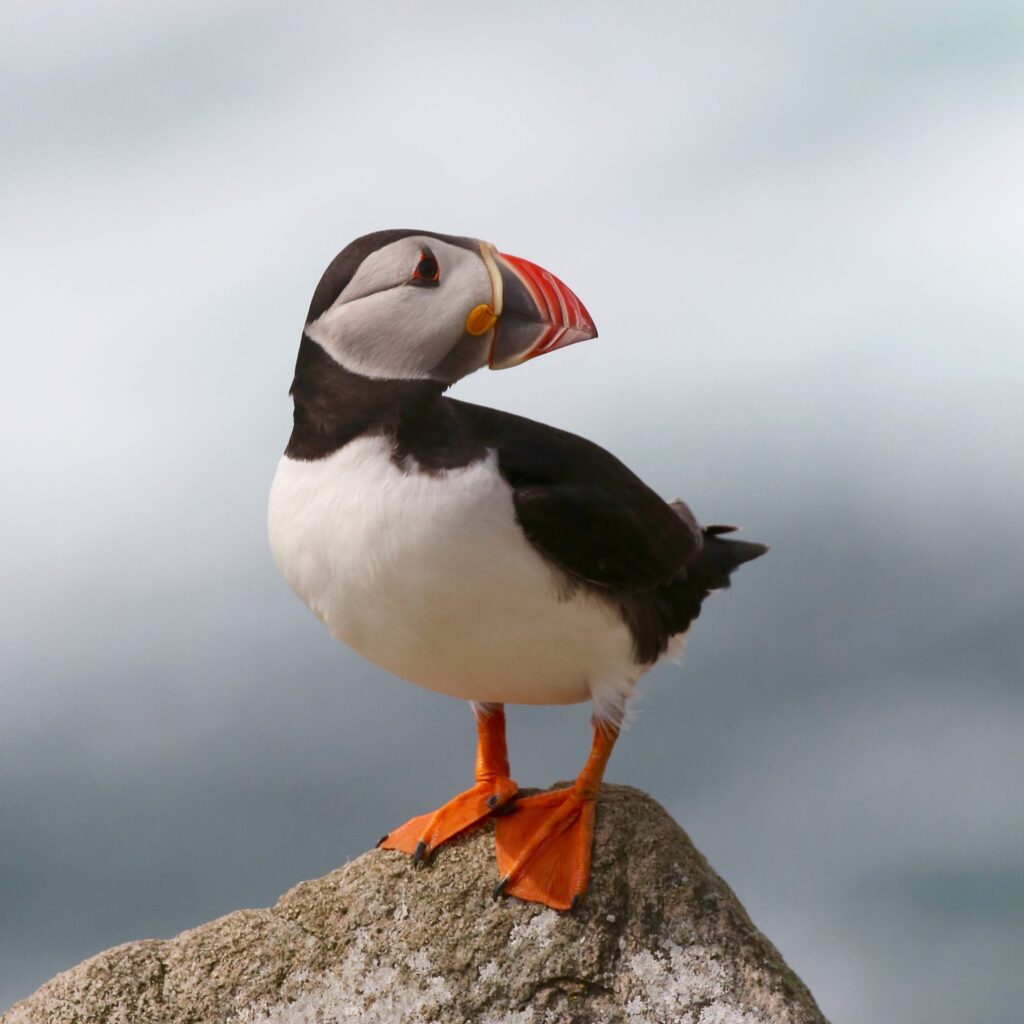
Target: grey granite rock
[{"x": 659, "y": 937}]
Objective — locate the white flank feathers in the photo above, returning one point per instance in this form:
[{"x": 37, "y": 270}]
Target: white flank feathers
[{"x": 430, "y": 577}]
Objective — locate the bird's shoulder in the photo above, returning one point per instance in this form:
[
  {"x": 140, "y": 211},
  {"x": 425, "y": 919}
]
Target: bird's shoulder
[
  {"x": 582, "y": 507},
  {"x": 542, "y": 452}
]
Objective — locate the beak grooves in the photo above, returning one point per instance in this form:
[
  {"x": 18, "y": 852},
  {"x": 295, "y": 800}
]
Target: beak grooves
[{"x": 539, "y": 313}]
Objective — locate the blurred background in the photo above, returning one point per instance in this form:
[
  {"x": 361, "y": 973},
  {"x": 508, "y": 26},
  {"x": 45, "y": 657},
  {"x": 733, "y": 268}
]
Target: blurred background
[{"x": 800, "y": 229}]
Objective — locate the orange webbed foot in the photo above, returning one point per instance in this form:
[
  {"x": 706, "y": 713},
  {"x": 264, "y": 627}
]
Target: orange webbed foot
[
  {"x": 422, "y": 835},
  {"x": 544, "y": 847}
]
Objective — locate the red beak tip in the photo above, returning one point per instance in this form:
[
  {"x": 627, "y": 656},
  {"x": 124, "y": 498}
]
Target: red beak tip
[{"x": 545, "y": 301}]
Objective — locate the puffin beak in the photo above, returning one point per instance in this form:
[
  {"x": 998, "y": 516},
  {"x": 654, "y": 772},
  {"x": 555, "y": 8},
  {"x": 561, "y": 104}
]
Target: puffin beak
[{"x": 536, "y": 313}]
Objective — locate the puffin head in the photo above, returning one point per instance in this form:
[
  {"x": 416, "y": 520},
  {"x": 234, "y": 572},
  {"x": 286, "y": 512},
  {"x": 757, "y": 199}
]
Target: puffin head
[{"x": 414, "y": 305}]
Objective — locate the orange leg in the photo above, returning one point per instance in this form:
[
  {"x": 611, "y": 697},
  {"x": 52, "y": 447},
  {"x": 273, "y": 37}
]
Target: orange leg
[
  {"x": 493, "y": 790},
  {"x": 544, "y": 846}
]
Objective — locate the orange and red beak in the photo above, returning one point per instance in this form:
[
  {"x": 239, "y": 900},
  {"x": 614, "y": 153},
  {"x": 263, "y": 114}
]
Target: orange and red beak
[{"x": 536, "y": 313}]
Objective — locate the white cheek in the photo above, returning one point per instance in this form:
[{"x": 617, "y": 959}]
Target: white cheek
[
  {"x": 360, "y": 336},
  {"x": 403, "y": 332}
]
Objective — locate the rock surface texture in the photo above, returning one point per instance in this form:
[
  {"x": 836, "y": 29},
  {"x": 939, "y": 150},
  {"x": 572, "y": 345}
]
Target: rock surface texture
[{"x": 658, "y": 938}]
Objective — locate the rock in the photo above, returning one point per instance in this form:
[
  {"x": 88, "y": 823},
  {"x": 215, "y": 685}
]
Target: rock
[{"x": 659, "y": 937}]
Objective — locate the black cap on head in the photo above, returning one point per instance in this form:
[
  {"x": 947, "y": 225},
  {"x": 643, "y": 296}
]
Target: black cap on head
[{"x": 343, "y": 267}]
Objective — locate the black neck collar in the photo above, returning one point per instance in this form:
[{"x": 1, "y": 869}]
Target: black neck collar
[{"x": 334, "y": 405}]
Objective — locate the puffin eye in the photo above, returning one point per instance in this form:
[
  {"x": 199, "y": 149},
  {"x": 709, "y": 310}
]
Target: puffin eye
[{"x": 427, "y": 273}]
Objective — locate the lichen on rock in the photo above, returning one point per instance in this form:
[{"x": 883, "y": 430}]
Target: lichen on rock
[{"x": 658, "y": 938}]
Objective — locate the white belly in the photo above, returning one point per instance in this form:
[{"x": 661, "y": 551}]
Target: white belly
[{"x": 430, "y": 577}]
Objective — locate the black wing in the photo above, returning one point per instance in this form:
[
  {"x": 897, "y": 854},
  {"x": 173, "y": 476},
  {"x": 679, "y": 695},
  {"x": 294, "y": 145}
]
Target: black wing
[
  {"x": 601, "y": 525},
  {"x": 583, "y": 509}
]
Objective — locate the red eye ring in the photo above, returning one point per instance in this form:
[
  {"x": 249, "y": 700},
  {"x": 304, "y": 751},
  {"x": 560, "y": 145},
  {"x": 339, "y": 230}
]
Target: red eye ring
[{"x": 428, "y": 271}]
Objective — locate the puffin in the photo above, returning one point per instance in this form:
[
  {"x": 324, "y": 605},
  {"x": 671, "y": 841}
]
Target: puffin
[{"x": 473, "y": 552}]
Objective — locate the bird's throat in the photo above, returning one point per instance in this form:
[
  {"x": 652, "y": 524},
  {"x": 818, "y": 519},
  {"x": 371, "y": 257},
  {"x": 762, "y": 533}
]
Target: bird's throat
[{"x": 334, "y": 405}]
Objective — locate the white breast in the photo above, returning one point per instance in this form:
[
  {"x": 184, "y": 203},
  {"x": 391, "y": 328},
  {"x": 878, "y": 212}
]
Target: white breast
[{"x": 429, "y": 576}]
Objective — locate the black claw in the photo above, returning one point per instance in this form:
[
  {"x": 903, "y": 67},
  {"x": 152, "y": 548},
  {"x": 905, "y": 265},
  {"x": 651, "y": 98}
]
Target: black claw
[
  {"x": 575, "y": 902},
  {"x": 500, "y": 887},
  {"x": 421, "y": 853},
  {"x": 382, "y": 838}
]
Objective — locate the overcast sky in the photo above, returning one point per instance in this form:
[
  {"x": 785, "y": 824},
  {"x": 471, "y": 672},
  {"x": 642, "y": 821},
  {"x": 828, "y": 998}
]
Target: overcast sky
[{"x": 800, "y": 230}]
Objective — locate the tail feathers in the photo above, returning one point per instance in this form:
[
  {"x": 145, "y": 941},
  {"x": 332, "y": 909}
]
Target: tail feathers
[
  {"x": 719, "y": 557},
  {"x": 655, "y": 616}
]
